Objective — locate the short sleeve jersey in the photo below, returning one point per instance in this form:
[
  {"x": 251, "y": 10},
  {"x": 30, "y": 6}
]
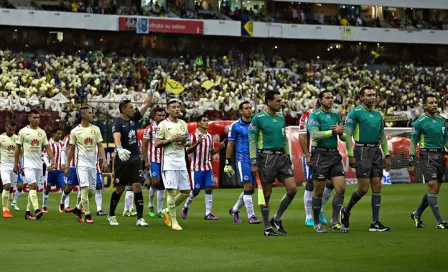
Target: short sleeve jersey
[
  {"x": 32, "y": 142},
  {"x": 129, "y": 141},
  {"x": 86, "y": 140},
  {"x": 173, "y": 157}
]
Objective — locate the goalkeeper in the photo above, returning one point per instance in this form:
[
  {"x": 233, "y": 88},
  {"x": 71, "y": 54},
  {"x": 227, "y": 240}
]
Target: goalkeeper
[{"x": 238, "y": 136}]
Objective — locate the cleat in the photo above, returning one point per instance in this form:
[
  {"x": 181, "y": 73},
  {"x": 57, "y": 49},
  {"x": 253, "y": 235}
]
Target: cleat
[
  {"x": 236, "y": 217},
  {"x": 126, "y": 213},
  {"x": 319, "y": 228},
  {"x": 159, "y": 215},
  {"x": 28, "y": 216},
  {"x": 417, "y": 220},
  {"x": 442, "y": 225},
  {"x": 151, "y": 212},
  {"x": 89, "y": 219},
  {"x": 132, "y": 212},
  {"x": 336, "y": 226},
  {"x": 254, "y": 220},
  {"x": 7, "y": 214},
  {"x": 101, "y": 213},
  {"x": 13, "y": 205},
  {"x": 377, "y": 226},
  {"x": 184, "y": 213},
  {"x": 269, "y": 232},
  {"x": 112, "y": 220},
  {"x": 78, "y": 214},
  {"x": 309, "y": 222},
  {"x": 68, "y": 210},
  {"x": 176, "y": 226},
  {"x": 210, "y": 217},
  {"x": 322, "y": 219},
  {"x": 38, "y": 213},
  {"x": 278, "y": 225},
  {"x": 44, "y": 210},
  {"x": 141, "y": 222},
  {"x": 344, "y": 217},
  {"x": 61, "y": 208},
  {"x": 167, "y": 218}
]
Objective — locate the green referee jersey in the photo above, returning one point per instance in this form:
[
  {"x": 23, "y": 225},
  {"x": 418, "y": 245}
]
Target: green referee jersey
[
  {"x": 323, "y": 121},
  {"x": 429, "y": 132},
  {"x": 267, "y": 132}
]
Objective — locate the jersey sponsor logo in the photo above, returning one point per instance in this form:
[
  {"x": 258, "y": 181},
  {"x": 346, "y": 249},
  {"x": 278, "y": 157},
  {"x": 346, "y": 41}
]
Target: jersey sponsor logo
[
  {"x": 313, "y": 122},
  {"x": 252, "y": 127},
  {"x": 132, "y": 138},
  {"x": 11, "y": 148},
  {"x": 35, "y": 142},
  {"x": 348, "y": 120},
  {"x": 88, "y": 141}
]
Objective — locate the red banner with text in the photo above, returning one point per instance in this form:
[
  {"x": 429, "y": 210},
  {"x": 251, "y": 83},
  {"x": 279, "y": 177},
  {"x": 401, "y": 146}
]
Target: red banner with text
[{"x": 176, "y": 26}]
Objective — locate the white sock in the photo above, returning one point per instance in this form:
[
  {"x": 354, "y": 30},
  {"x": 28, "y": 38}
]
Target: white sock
[
  {"x": 325, "y": 197},
  {"x": 208, "y": 203},
  {"x": 189, "y": 200},
  {"x": 160, "y": 200},
  {"x": 249, "y": 205},
  {"x": 44, "y": 200},
  {"x": 307, "y": 198},
  {"x": 152, "y": 194},
  {"x": 67, "y": 201},
  {"x": 239, "y": 203},
  {"x": 16, "y": 197},
  {"x": 99, "y": 199},
  {"x": 128, "y": 200},
  {"x": 78, "y": 200}
]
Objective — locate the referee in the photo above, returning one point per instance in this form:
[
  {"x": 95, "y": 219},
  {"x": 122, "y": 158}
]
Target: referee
[
  {"x": 430, "y": 131},
  {"x": 269, "y": 155},
  {"x": 128, "y": 164}
]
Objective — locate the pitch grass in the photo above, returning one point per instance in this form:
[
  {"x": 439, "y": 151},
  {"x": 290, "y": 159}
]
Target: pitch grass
[{"x": 60, "y": 243}]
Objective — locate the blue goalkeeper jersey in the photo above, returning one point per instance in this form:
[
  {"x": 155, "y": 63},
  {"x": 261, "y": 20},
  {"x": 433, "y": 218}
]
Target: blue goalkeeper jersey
[{"x": 239, "y": 133}]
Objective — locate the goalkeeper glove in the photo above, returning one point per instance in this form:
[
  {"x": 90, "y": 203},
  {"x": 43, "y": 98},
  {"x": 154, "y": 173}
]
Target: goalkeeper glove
[
  {"x": 228, "y": 169},
  {"x": 123, "y": 154}
]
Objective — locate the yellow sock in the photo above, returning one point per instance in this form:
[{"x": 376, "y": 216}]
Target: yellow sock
[
  {"x": 29, "y": 206},
  {"x": 181, "y": 198},
  {"x": 5, "y": 200},
  {"x": 85, "y": 200},
  {"x": 11, "y": 198},
  {"x": 171, "y": 203},
  {"x": 33, "y": 197}
]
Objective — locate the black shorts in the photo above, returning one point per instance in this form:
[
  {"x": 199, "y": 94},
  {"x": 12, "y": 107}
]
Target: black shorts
[
  {"x": 326, "y": 165},
  {"x": 128, "y": 174},
  {"x": 273, "y": 166},
  {"x": 369, "y": 162},
  {"x": 432, "y": 165}
]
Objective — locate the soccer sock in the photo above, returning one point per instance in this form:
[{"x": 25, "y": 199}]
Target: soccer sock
[
  {"x": 316, "y": 203},
  {"x": 139, "y": 202},
  {"x": 239, "y": 203},
  {"x": 208, "y": 203},
  {"x": 160, "y": 200},
  {"x": 114, "y": 199},
  {"x": 376, "y": 203},
  {"x": 326, "y": 196},
  {"x": 78, "y": 200},
  {"x": 84, "y": 200},
  {"x": 11, "y": 196},
  {"x": 423, "y": 205},
  {"x": 99, "y": 199},
  {"x": 171, "y": 203},
  {"x": 152, "y": 193},
  {"x": 356, "y": 196},
  {"x": 284, "y": 204},
  {"x": 307, "y": 197},
  {"x": 29, "y": 206},
  {"x": 5, "y": 200},
  {"x": 128, "y": 199},
  {"x": 180, "y": 198},
  {"x": 45, "y": 199},
  {"x": 17, "y": 196},
  {"x": 338, "y": 201},
  {"x": 189, "y": 200},
  {"x": 247, "y": 197},
  {"x": 265, "y": 213},
  {"x": 33, "y": 198},
  {"x": 432, "y": 202}
]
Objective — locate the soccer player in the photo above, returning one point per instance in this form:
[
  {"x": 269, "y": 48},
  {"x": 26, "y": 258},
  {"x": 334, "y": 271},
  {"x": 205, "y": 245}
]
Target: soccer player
[
  {"x": 19, "y": 189},
  {"x": 128, "y": 164},
  {"x": 72, "y": 179},
  {"x": 152, "y": 159},
  {"x": 366, "y": 125},
  {"x": 305, "y": 142},
  {"x": 430, "y": 132},
  {"x": 173, "y": 137},
  {"x": 56, "y": 177},
  {"x": 324, "y": 127},
  {"x": 9, "y": 178},
  {"x": 269, "y": 154},
  {"x": 32, "y": 138},
  {"x": 238, "y": 139},
  {"x": 87, "y": 138},
  {"x": 99, "y": 187},
  {"x": 201, "y": 150}
]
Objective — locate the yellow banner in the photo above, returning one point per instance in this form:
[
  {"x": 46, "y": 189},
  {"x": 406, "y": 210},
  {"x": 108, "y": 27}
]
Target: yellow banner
[
  {"x": 249, "y": 27},
  {"x": 173, "y": 86}
]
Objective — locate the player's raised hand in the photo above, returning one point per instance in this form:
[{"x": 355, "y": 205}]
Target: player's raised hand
[{"x": 352, "y": 162}]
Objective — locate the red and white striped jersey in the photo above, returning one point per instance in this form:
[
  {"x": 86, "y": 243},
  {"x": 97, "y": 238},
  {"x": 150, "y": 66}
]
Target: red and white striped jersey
[
  {"x": 66, "y": 146},
  {"x": 303, "y": 128},
  {"x": 154, "y": 154},
  {"x": 200, "y": 159},
  {"x": 56, "y": 148}
]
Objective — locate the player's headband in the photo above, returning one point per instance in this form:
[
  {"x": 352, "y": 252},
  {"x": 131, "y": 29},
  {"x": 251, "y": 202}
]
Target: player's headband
[{"x": 172, "y": 101}]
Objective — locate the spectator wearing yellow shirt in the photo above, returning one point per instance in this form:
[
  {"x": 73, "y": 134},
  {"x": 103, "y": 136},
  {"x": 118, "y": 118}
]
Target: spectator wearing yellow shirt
[
  {"x": 75, "y": 6},
  {"x": 344, "y": 22}
]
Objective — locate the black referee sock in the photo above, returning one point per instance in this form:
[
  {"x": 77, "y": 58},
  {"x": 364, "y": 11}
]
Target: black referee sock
[
  {"x": 265, "y": 213},
  {"x": 114, "y": 200},
  {"x": 356, "y": 196},
  {"x": 138, "y": 200}
]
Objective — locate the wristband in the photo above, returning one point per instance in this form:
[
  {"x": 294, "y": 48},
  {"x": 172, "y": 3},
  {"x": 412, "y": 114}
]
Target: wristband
[
  {"x": 227, "y": 161},
  {"x": 119, "y": 147},
  {"x": 411, "y": 160},
  {"x": 151, "y": 91}
]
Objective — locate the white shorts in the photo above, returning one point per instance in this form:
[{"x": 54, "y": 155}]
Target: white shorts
[
  {"x": 32, "y": 175},
  {"x": 86, "y": 177},
  {"x": 8, "y": 177},
  {"x": 176, "y": 179}
]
